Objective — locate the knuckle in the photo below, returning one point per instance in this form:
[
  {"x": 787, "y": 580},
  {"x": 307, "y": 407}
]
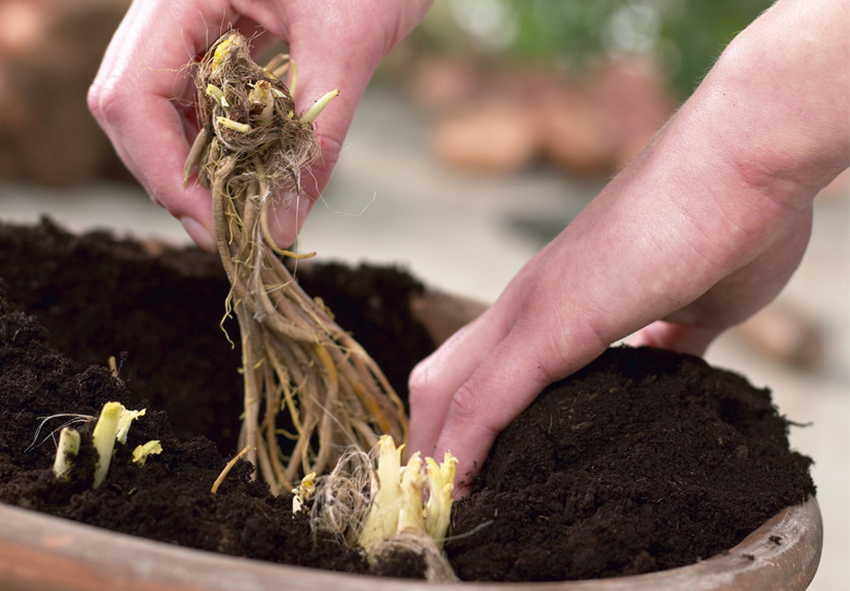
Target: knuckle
[
  {"x": 107, "y": 103},
  {"x": 466, "y": 406},
  {"x": 420, "y": 385}
]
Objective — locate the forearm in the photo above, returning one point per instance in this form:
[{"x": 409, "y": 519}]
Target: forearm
[
  {"x": 777, "y": 100},
  {"x": 702, "y": 228},
  {"x": 709, "y": 222}
]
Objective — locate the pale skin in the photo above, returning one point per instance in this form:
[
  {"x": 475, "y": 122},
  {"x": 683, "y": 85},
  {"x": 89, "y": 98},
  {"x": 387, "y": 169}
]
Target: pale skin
[{"x": 696, "y": 234}]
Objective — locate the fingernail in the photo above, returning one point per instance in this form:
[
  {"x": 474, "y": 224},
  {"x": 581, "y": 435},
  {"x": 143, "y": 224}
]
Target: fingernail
[{"x": 198, "y": 233}]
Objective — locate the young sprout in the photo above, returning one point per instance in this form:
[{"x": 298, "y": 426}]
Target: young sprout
[
  {"x": 217, "y": 94},
  {"x": 261, "y": 99},
  {"x": 66, "y": 451},
  {"x": 316, "y": 109},
  {"x": 104, "y": 437},
  {"x": 124, "y": 420},
  {"x": 382, "y": 521},
  {"x": 112, "y": 426},
  {"x": 141, "y": 453},
  {"x": 441, "y": 486},
  {"x": 416, "y": 498},
  {"x": 234, "y": 125},
  {"x": 411, "y": 517},
  {"x": 303, "y": 492}
]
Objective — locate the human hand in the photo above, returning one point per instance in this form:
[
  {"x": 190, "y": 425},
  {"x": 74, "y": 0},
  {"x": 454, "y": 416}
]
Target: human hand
[
  {"x": 696, "y": 234},
  {"x": 143, "y": 94}
]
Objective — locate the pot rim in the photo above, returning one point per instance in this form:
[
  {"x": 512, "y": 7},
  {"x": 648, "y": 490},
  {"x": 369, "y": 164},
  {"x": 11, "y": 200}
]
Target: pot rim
[{"x": 41, "y": 552}]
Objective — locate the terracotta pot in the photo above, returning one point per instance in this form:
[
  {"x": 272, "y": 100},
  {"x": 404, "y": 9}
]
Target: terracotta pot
[
  {"x": 44, "y": 553},
  {"x": 39, "y": 552}
]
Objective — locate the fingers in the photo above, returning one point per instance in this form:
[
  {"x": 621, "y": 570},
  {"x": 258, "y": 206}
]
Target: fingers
[
  {"x": 142, "y": 95},
  {"x": 434, "y": 381},
  {"x": 681, "y": 338},
  {"x": 484, "y": 376},
  {"x": 478, "y": 382}
]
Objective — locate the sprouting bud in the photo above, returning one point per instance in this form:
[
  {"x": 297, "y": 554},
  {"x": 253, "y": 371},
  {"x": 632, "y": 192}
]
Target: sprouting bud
[
  {"x": 104, "y": 437},
  {"x": 303, "y": 492},
  {"x": 234, "y": 125},
  {"x": 127, "y": 417},
  {"x": 233, "y": 42},
  {"x": 316, "y": 109},
  {"x": 386, "y": 492},
  {"x": 399, "y": 504},
  {"x": 261, "y": 99},
  {"x": 112, "y": 426},
  {"x": 141, "y": 453},
  {"x": 411, "y": 517},
  {"x": 66, "y": 450},
  {"x": 441, "y": 486},
  {"x": 218, "y": 95}
]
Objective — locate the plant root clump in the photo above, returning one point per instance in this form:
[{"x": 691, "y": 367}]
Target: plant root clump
[
  {"x": 372, "y": 502},
  {"x": 253, "y": 147}
]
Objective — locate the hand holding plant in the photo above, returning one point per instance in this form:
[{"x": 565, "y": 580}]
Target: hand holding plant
[
  {"x": 296, "y": 359},
  {"x": 143, "y": 97}
]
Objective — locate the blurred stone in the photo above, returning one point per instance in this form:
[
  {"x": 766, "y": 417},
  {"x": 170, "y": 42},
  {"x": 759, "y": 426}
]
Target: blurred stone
[
  {"x": 496, "y": 137},
  {"x": 441, "y": 84},
  {"x": 786, "y": 335},
  {"x": 588, "y": 126},
  {"x": 575, "y": 136},
  {"x": 49, "y": 54},
  {"x": 632, "y": 94}
]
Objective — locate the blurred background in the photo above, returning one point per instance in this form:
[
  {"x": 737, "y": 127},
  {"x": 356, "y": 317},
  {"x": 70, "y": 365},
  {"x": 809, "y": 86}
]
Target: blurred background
[{"x": 480, "y": 138}]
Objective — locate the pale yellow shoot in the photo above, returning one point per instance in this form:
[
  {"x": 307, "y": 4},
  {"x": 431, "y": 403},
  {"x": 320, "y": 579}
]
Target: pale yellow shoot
[
  {"x": 104, "y": 437},
  {"x": 141, "y": 453},
  {"x": 386, "y": 492},
  {"x": 113, "y": 425},
  {"x": 66, "y": 450},
  {"x": 218, "y": 95},
  {"x": 231, "y": 43},
  {"x": 127, "y": 417},
  {"x": 234, "y": 125},
  {"x": 261, "y": 99},
  {"x": 316, "y": 109},
  {"x": 302, "y": 493},
  {"x": 411, "y": 516},
  {"x": 441, "y": 484}
]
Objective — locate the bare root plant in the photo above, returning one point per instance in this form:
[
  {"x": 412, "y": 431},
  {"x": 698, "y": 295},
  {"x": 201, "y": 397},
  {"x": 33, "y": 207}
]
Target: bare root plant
[
  {"x": 376, "y": 502},
  {"x": 296, "y": 360}
]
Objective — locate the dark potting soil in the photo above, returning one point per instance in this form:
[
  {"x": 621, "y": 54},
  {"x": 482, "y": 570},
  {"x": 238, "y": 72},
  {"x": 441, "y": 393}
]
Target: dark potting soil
[{"x": 645, "y": 460}]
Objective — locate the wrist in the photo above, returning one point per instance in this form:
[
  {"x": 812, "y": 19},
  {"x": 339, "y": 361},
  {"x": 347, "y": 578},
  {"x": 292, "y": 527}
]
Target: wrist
[{"x": 776, "y": 102}]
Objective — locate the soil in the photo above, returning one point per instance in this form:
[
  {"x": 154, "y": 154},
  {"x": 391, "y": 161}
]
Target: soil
[{"x": 644, "y": 460}]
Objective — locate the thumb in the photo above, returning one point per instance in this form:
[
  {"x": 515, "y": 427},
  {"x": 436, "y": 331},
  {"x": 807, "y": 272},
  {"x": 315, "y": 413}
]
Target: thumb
[{"x": 682, "y": 338}]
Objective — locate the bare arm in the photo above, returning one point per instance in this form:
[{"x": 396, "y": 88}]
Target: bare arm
[{"x": 702, "y": 229}]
